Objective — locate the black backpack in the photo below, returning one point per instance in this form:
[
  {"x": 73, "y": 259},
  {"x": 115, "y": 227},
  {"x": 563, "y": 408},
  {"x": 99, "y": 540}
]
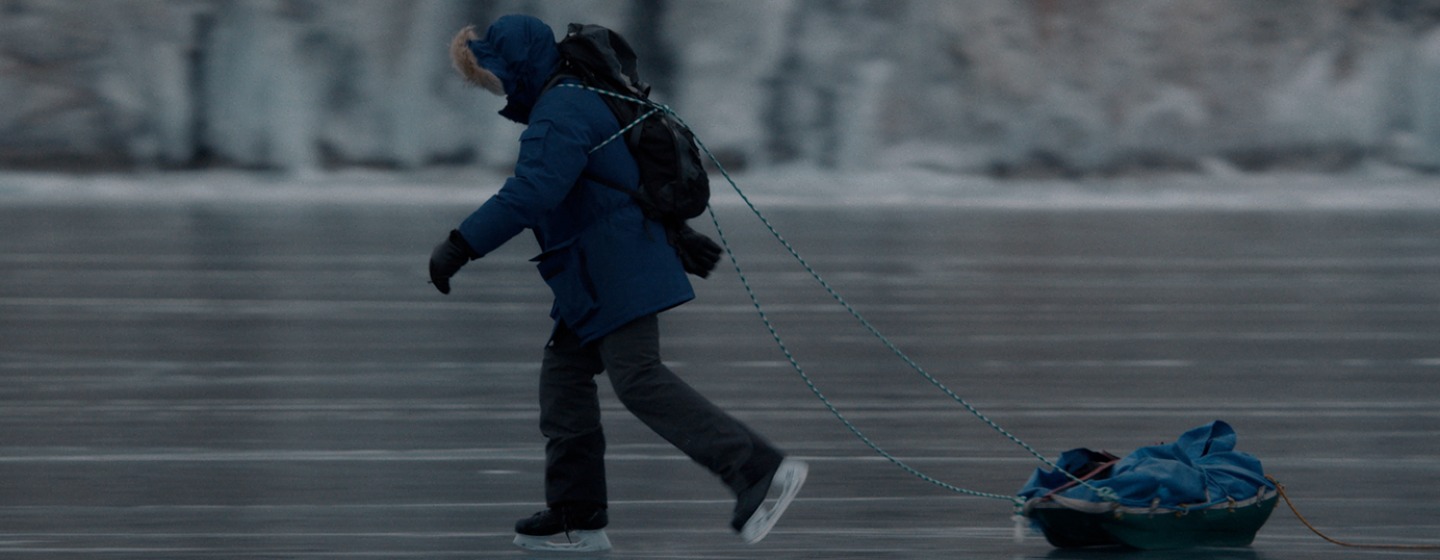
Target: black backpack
[{"x": 673, "y": 184}]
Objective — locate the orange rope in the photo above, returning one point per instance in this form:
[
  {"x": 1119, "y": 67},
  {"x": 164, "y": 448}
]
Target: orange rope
[{"x": 1281, "y": 489}]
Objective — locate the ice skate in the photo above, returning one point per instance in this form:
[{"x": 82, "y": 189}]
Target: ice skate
[
  {"x": 758, "y": 508},
  {"x": 564, "y": 530}
]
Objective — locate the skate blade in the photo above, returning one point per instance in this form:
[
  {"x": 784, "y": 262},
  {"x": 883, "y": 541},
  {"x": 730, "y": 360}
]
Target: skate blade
[
  {"x": 788, "y": 478},
  {"x": 574, "y": 542}
]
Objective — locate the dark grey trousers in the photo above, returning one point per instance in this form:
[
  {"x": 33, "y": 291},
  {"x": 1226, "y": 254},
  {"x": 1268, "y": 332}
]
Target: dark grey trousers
[{"x": 570, "y": 414}]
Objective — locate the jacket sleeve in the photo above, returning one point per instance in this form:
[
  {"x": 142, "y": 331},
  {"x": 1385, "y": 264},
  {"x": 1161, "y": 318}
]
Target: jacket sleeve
[{"x": 554, "y": 150}]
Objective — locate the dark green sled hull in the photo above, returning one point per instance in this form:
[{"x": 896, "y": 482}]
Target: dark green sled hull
[{"x": 1223, "y": 527}]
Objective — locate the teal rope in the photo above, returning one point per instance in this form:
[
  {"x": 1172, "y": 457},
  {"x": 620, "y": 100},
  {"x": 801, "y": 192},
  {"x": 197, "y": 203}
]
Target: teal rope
[
  {"x": 794, "y": 363},
  {"x": 1104, "y": 493}
]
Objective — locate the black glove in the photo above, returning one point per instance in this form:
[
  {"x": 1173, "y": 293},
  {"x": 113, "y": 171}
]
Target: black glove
[
  {"x": 698, "y": 254},
  {"x": 447, "y": 258}
]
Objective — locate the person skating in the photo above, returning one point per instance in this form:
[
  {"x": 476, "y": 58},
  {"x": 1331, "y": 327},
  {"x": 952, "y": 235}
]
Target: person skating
[{"x": 612, "y": 272}]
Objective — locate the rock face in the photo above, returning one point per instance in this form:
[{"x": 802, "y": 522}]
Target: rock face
[{"x": 973, "y": 86}]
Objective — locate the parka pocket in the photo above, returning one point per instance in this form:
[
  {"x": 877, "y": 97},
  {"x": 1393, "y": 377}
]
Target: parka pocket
[{"x": 563, "y": 269}]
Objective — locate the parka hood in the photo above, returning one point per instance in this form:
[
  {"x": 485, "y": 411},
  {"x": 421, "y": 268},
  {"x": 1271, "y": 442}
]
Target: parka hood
[{"x": 519, "y": 51}]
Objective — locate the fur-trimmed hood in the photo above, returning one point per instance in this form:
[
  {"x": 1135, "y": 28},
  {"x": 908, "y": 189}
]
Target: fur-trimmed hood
[
  {"x": 515, "y": 58},
  {"x": 468, "y": 67}
]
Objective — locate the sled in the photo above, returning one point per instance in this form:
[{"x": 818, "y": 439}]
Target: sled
[{"x": 1196, "y": 492}]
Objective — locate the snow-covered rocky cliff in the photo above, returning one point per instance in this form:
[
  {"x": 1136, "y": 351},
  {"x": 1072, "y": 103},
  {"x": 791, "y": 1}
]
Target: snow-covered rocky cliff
[{"x": 997, "y": 86}]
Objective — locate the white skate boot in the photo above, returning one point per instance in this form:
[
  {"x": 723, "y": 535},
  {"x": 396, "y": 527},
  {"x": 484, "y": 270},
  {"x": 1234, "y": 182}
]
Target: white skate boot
[{"x": 760, "y": 507}]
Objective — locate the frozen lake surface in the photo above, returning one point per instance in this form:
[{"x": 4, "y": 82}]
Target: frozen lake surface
[{"x": 215, "y": 366}]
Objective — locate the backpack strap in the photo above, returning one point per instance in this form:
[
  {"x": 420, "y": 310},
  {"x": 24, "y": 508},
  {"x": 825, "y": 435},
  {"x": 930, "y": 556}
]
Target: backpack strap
[{"x": 560, "y": 75}]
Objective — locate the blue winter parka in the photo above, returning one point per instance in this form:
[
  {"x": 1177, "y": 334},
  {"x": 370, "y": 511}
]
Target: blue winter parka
[{"x": 604, "y": 261}]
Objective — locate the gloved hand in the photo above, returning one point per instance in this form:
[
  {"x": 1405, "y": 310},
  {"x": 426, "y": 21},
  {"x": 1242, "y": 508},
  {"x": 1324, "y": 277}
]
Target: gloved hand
[
  {"x": 447, "y": 258},
  {"x": 698, "y": 254}
]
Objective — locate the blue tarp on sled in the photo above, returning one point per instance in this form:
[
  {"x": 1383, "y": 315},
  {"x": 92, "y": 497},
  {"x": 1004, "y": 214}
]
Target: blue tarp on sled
[{"x": 1207, "y": 493}]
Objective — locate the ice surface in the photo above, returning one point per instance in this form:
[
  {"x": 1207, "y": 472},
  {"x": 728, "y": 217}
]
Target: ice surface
[{"x": 227, "y": 365}]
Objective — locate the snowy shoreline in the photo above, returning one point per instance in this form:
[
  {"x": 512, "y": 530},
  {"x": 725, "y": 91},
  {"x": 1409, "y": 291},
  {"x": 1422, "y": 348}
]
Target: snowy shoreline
[{"x": 780, "y": 187}]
